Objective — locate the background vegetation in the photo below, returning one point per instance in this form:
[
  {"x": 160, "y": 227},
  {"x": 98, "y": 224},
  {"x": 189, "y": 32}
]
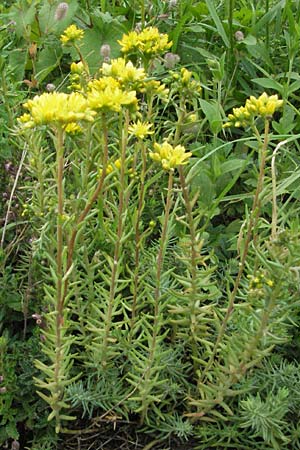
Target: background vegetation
[{"x": 180, "y": 325}]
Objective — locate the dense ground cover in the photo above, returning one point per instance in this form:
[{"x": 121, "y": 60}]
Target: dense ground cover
[{"x": 149, "y": 225}]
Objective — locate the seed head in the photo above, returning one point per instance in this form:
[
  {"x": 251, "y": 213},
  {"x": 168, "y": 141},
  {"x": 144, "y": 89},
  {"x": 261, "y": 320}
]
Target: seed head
[
  {"x": 105, "y": 50},
  {"x": 171, "y": 59},
  {"x": 50, "y": 87},
  {"x": 61, "y": 11},
  {"x": 239, "y": 36}
]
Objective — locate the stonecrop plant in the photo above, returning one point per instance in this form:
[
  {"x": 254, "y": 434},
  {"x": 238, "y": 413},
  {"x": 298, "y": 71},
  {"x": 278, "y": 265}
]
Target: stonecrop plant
[{"x": 134, "y": 321}]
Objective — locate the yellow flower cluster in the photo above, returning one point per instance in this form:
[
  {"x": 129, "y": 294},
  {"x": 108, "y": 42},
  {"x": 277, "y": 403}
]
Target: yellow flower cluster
[
  {"x": 57, "y": 108},
  {"x": 150, "y": 42},
  {"x": 169, "y": 157},
  {"x": 184, "y": 83},
  {"x": 263, "y": 106},
  {"x": 71, "y": 34},
  {"x": 77, "y": 67},
  {"x": 259, "y": 281},
  {"x": 155, "y": 87},
  {"x": 140, "y": 129},
  {"x": 125, "y": 72},
  {"x": 79, "y": 76},
  {"x": 106, "y": 94}
]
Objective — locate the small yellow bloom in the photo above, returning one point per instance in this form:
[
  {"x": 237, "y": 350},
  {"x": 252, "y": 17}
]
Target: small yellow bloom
[
  {"x": 109, "y": 169},
  {"x": 105, "y": 94},
  {"x": 56, "y": 108},
  {"x": 123, "y": 71},
  {"x": 140, "y": 129},
  {"x": 71, "y": 34},
  {"x": 77, "y": 67},
  {"x": 169, "y": 157},
  {"x": 73, "y": 128},
  {"x": 149, "y": 42},
  {"x": 118, "y": 163},
  {"x": 263, "y": 106},
  {"x": 185, "y": 75}
]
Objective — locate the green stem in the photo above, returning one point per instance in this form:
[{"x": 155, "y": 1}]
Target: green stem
[
  {"x": 193, "y": 297},
  {"x": 59, "y": 271},
  {"x": 251, "y": 226},
  {"x": 157, "y": 293},
  {"x": 274, "y": 191},
  {"x": 96, "y": 193},
  {"x": 117, "y": 251},
  {"x": 138, "y": 239},
  {"x": 143, "y": 14},
  {"x": 180, "y": 119}
]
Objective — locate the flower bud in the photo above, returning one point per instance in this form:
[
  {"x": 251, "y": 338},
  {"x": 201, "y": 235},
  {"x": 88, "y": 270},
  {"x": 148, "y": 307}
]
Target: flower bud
[
  {"x": 170, "y": 60},
  {"x": 1, "y": 378},
  {"x": 105, "y": 50},
  {"x": 50, "y": 87},
  {"x": 77, "y": 67},
  {"x": 3, "y": 390},
  {"x": 61, "y": 11},
  {"x": 239, "y": 36}
]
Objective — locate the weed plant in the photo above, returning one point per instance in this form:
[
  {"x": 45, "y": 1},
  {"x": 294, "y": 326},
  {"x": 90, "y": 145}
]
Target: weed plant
[{"x": 149, "y": 231}]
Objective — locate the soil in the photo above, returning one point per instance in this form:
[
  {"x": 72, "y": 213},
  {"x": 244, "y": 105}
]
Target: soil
[{"x": 124, "y": 437}]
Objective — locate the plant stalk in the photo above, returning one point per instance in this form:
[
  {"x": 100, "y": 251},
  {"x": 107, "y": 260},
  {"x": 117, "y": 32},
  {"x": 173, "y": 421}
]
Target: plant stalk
[{"x": 251, "y": 226}]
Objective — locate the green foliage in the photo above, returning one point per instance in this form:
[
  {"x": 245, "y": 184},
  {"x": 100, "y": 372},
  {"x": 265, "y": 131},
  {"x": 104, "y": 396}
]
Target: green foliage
[{"x": 180, "y": 302}]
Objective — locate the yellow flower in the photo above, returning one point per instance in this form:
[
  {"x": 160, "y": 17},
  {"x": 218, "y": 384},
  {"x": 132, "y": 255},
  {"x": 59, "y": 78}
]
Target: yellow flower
[
  {"x": 73, "y": 128},
  {"x": 118, "y": 163},
  {"x": 123, "y": 71},
  {"x": 185, "y": 76},
  {"x": 185, "y": 83},
  {"x": 263, "y": 106},
  {"x": 153, "y": 42},
  {"x": 106, "y": 94},
  {"x": 129, "y": 42},
  {"x": 169, "y": 157},
  {"x": 149, "y": 42},
  {"x": 77, "y": 67},
  {"x": 140, "y": 129},
  {"x": 71, "y": 34},
  {"x": 56, "y": 108},
  {"x": 155, "y": 87}
]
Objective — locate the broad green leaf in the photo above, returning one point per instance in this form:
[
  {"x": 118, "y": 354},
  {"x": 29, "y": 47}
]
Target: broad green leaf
[
  {"x": 232, "y": 165},
  {"x": 48, "y": 59},
  {"x": 269, "y": 84},
  {"x": 17, "y": 62},
  {"x": 286, "y": 123},
  {"x": 249, "y": 40},
  {"x": 24, "y": 18},
  {"x": 212, "y": 113},
  {"x": 294, "y": 87},
  {"x": 47, "y": 21}
]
